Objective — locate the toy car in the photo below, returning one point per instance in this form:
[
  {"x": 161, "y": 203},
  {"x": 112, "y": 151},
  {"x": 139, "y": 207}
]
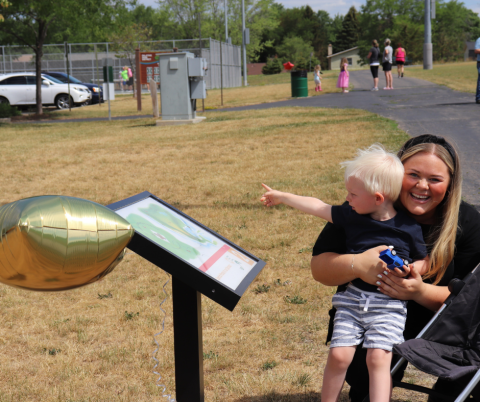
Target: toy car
[{"x": 392, "y": 260}]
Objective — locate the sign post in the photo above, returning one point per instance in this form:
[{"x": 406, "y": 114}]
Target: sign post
[
  {"x": 138, "y": 85},
  {"x": 200, "y": 262},
  {"x": 188, "y": 342}
]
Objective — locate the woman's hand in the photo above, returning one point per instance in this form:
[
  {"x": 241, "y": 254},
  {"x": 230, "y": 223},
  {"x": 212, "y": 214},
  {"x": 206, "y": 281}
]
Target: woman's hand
[
  {"x": 407, "y": 288},
  {"x": 368, "y": 265}
]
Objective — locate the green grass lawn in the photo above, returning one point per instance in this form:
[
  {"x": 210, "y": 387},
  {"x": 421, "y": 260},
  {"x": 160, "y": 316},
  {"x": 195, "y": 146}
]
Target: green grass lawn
[{"x": 458, "y": 76}]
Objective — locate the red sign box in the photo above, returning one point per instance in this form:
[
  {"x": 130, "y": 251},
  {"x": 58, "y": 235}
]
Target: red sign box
[{"x": 149, "y": 67}]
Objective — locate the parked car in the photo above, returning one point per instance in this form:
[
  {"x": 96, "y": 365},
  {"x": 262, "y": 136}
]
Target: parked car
[
  {"x": 20, "y": 89},
  {"x": 96, "y": 90}
]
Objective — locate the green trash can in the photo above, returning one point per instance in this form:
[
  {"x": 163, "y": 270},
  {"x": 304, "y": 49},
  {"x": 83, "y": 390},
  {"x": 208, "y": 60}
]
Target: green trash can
[{"x": 299, "y": 83}]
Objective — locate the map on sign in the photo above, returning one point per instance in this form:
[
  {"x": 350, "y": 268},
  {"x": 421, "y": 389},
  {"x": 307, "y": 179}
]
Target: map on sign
[{"x": 188, "y": 241}]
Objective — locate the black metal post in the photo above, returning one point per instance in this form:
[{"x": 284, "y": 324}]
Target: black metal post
[{"x": 188, "y": 344}]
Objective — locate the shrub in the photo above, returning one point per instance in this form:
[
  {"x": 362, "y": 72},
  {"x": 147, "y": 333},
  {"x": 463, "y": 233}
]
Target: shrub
[
  {"x": 7, "y": 111},
  {"x": 273, "y": 66}
]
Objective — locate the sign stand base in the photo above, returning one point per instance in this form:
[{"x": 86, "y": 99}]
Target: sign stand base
[{"x": 187, "y": 335}]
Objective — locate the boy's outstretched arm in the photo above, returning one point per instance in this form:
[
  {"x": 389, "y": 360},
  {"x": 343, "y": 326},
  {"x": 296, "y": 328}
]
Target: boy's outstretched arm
[{"x": 309, "y": 205}]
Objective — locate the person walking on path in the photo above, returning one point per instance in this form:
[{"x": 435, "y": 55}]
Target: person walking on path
[
  {"x": 343, "y": 77},
  {"x": 400, "y": 55},
  {"x": 387, "y": 64},
  {"x": 373, "y": 56},
  {"x": 124, "y": 74},
  {"x": 477, "y": 52},
  {"x": 316, "y": 78}
]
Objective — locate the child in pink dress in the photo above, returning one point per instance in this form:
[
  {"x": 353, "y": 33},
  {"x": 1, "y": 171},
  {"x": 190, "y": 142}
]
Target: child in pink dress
[{"x": 343, "y": 77}]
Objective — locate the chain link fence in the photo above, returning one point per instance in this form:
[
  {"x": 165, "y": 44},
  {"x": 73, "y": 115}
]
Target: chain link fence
[{"x": 86, "y": 60}]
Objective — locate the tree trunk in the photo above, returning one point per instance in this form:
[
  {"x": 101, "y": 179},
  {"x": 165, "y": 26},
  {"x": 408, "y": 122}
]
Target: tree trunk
[
  {"x": 42, "y": 33},
  {"x": 38, "y": 72}
]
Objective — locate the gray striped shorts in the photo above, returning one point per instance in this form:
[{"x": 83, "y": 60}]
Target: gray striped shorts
[{"x": 375, "y": 319}]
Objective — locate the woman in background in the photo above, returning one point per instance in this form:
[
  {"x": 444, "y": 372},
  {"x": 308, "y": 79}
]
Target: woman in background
[
  {"x": 400, "y": 55},
  {"x": 373, "y": 57},
  {"x": 387, "y": 64}
]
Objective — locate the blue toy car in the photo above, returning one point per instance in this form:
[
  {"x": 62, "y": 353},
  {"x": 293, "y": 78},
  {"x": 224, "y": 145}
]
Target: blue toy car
[{"x": 392, "y": 260}]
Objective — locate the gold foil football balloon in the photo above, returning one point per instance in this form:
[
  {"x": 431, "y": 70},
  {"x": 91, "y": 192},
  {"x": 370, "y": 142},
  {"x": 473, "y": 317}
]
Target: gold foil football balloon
[{"x": 53, "y": 243}]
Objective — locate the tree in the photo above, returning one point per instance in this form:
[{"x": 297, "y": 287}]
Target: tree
[
  {"x": 297, "y": 51},
  {"x": 3, "y": 4},
  {"x": 125, "y": 42},
  {"x": 350, "y": 33},
  {"x": 29, "y": 22},
  {"x": 273, "y": 66},
  {"x": 260, "y": 16}
]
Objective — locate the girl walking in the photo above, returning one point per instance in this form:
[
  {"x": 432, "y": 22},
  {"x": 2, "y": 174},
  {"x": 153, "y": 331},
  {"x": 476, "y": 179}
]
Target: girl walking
[
  {"x": 343, "y": 77},
  {"x": 316, "y": 78}
]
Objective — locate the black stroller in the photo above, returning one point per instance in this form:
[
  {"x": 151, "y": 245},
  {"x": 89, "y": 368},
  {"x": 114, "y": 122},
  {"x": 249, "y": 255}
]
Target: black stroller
[{"x": 449, "y": 346}]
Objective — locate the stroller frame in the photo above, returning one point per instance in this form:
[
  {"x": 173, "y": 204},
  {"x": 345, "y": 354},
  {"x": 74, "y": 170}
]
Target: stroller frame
[{"x": 455, "y": 286}]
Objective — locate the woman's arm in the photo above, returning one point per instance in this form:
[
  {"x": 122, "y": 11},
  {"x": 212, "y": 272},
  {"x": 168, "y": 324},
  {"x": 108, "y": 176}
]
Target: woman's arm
[
  {"x": 369, "y": 55},
  {"x": 396, "y": 51},
  {"x": 332, "y": 269}
]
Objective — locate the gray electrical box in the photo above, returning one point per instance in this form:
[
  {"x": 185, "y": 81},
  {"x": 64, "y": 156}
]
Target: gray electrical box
[
  {"x": 197, "y": 67},
  {"x": 198, "y": 89},
  {"x": 182, "y": 83},
  {"x": 246, "y": 36}
]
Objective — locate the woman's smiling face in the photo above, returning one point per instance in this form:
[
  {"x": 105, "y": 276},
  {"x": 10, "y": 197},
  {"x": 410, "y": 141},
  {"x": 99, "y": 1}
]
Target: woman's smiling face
[{"x": 424, "y": 186}]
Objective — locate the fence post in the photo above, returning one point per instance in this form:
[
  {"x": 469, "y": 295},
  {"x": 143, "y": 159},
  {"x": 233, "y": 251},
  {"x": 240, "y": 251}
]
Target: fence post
[{"x": 138, "y": 87}]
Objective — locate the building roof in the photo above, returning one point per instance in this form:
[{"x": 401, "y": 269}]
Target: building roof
[{"x": 345, "y": 51}]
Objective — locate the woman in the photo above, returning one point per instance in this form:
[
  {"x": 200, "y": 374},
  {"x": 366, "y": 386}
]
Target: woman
[
  {"x": 387, "y": 64},
  {"x": 400, "y": 55},
  {"x": 373, "y": 56},
  {"x": 431, "y": 193}
]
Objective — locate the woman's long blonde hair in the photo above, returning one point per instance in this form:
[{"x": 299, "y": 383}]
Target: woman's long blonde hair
[
  {"x": 441, "y": 239},
  {"x": 342, "y": 62}
]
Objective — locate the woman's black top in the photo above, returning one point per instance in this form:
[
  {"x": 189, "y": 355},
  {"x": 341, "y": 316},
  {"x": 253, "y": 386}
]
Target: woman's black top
[
  {"x": 375, "y": 55},
  {"x": 467, "y": 256}
]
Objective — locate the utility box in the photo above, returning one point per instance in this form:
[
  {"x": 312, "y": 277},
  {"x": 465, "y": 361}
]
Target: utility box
[
  {"x": 182, "y": 83},
  {"x": 197, "y": 67}
]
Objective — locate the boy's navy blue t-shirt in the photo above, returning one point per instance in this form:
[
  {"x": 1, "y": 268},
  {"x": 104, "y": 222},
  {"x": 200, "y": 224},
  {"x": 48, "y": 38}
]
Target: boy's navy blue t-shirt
[{"x": 402, "y": 232}]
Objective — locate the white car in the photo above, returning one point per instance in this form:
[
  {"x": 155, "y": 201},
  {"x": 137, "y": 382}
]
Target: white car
[{"x": 20, "y": 89}]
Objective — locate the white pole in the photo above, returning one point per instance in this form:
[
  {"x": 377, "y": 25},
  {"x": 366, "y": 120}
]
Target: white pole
[
  {"x": 226, "y": 22},
  {"x": 244, "y": 46},
  {"x": 427, "y": 45}
]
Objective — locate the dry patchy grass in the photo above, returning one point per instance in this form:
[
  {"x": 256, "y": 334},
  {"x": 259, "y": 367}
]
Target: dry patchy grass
[
  {"x": 84, "y": 346},
  {"x": 458, "y": 76}
]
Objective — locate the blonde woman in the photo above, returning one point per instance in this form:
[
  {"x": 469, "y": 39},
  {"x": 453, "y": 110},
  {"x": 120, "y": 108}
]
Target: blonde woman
[
  {"x": 431, "y": 194},
  {"x": 387, "y": 62}
]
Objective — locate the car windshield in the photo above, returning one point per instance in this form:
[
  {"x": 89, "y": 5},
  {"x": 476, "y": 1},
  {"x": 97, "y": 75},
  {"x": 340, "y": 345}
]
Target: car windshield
[
  {"x": 52, "y": 79},
  {"x": 73, "y": 80}
]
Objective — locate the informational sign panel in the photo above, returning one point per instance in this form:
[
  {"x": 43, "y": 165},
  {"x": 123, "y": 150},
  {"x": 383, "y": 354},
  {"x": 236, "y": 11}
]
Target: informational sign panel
[
  {"x": 188, "y": 250},
  {"x": 149, "y": 67}
]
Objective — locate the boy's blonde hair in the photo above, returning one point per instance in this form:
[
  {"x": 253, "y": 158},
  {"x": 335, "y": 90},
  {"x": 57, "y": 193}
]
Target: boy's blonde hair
[{"x": 380, "y": 171}]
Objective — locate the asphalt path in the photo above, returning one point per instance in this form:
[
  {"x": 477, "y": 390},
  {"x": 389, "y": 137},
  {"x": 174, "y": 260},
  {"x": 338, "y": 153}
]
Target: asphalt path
[{"x": 419, "y": 107}]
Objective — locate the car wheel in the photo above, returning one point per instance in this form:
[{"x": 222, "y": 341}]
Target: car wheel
[
  {"x": 61, "y": 101},
  {"x": 4, "y": 100}
]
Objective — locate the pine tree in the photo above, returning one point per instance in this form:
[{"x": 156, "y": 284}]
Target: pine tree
[{"x": 350, "y": 33}]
